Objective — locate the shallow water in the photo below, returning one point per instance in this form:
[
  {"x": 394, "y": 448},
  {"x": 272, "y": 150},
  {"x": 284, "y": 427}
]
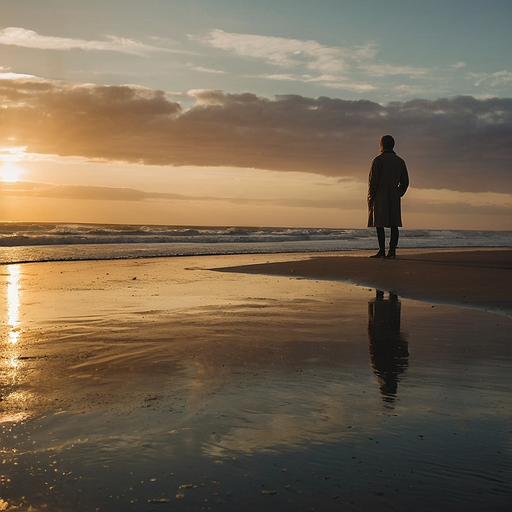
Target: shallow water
[{"x": 222, "y": 391}]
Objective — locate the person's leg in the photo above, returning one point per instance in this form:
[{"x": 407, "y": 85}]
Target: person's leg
[
  {"x": 393, "y": 242},
  {"x": 381, "y": 237}
]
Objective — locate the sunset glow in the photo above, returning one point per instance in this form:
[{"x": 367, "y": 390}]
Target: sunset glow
[
  {"x": 10, "y": 172},
  {"x": 161, "y": 114}
]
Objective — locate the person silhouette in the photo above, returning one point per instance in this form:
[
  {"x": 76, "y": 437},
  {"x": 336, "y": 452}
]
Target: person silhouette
[
  {"x": 389, "y": 349},
  {"x": 387, "y": 183}
]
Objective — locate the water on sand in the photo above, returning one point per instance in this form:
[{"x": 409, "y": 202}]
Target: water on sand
[{"x": 159, "y": 385}]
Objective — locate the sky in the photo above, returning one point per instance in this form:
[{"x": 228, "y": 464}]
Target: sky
[{"x": 244, "y": 113}]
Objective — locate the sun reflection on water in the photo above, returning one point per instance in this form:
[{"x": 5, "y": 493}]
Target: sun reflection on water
[
  {"x": 12, "y": 365},
  {"x": 13, "y": 302}
]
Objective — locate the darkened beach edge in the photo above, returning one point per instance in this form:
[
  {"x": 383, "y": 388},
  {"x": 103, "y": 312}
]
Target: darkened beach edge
[{"x": 480, "y": 278}]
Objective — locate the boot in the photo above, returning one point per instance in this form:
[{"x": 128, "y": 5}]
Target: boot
[
  {"x": 380, "y": 254},
  {"x": 391, "y": 253}
]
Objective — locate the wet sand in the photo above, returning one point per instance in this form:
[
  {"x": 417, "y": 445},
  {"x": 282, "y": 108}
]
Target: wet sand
[
  {"x": 163, "y": 385},
  {"x": 475, "y": 278}
]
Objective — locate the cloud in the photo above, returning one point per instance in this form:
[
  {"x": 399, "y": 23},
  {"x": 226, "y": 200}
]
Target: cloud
[
  {"x": 408, "y": 89},
  {"x": 326, "y": 64},
  {"x": 418, "y": 205},
  {"x": 16, "y": 36},
  {"x": 287, "y": 53},
  {"x": 81, "y": 192},
  {"x": 503, "y": 77},
  {"x": 203, "y": 69},
  {"x": 461, "y": 143},
  {"x": 335, "y": 67},
  {"x": 346, "y": 85},
  {"x": 95, "y": 193},
  {"x": 7, "y": 73},
  {"x": 381, "y": 70},
  {"x": 458, "y": 208},
  {"x": 87, "y": 193},
  {"x": 358, "y": 69},
  {"x": 331, "y": 81}
]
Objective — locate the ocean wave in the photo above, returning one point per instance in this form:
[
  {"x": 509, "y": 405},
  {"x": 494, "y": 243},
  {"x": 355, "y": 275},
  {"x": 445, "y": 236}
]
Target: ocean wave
[
  {"x": 70, "y": 234},
  {"x": 24, "y": 242}
]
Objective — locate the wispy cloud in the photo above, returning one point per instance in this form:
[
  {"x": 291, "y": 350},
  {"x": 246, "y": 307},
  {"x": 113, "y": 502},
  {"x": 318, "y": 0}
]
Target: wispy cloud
[
  {"x": 331, "y": 81},
  {"x": 303, "y": 61},
  {"x": 492, "y": 79},
  {"x": 461, "y": 143},
  {"x": 83, "y": 192},
  {"x": 16, "y": 36},
  {"x": 342, "y": 68},
  {"x": 288, "y": 53},
  {"x": 416, "y": 90},
  {"x": 8, "y": 74},
  {"x": 444, "y": 202},
  {"x": 94, "y": 193},
  {"x": 203, "y": 69},
  {"x": 381, "y": 70},
  {"x": 358, "y": 69}
]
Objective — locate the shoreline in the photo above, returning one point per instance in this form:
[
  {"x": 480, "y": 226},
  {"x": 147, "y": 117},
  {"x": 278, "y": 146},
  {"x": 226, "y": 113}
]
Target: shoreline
[{"x": 479, "y": 278}]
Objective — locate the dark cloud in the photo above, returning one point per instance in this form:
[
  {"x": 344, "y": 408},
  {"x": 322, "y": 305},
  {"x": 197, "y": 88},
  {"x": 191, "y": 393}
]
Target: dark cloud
[
  {"x": 452, "y": 208},
  {"x": 83, "y": 192},
  {"x": 461, "y": 143}
]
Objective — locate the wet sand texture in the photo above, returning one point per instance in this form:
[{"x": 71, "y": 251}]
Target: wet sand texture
[
  {"x": 476, "y": 278},
  {"x": 160, "y": 384}
]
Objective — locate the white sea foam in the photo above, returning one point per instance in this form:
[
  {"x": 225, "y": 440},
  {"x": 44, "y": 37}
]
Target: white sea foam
[{"x": 34, "y": 242}]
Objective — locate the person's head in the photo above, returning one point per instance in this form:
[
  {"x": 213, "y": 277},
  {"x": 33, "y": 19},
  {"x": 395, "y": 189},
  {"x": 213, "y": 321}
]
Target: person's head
[{"x": 387, "y": 142}]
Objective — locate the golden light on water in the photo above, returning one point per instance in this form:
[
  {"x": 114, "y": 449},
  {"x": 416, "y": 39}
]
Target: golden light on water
[
  {"x": 14, "y": 400},
  {"x": 13, "y": 362},
  {"x": 13, "y": 302}
]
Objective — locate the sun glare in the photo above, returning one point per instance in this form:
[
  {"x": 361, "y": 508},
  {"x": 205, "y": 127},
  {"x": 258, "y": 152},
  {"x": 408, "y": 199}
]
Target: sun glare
[{"x": 10, "y": 172}]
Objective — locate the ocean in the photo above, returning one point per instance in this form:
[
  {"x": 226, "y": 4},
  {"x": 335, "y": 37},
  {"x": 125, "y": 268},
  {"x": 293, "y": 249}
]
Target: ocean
[{"x": 38, "y": 242}]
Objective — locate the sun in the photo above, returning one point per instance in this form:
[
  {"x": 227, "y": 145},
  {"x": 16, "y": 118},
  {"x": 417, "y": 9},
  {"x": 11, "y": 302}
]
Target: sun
[{"x": 10, "y": 172}]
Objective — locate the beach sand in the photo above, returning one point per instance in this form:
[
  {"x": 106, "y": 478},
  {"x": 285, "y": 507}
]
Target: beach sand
[
  {"x": 477, "y": 278},
  {"x": 258, "y": 382}
]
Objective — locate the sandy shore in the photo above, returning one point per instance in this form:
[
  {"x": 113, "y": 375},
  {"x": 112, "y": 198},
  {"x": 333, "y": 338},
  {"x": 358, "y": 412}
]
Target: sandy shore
[
  {"x": 233, "y": 382},
  {"x": 475, "y": 278}
]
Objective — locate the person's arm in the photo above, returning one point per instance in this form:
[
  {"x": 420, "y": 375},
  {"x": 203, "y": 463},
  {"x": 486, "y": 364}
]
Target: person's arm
[
  {"x": 404, "y": 181},
  {"x": 373, "y": 180}
]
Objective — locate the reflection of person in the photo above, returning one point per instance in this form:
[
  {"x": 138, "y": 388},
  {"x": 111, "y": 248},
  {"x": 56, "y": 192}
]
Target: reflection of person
[
  {"x": 387, "y": 183},
  {"x": 388, "y": 347}
]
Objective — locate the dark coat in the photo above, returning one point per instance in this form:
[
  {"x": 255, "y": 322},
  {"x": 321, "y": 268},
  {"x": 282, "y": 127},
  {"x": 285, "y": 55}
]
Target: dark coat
[{"x": 387, "y": 183}]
